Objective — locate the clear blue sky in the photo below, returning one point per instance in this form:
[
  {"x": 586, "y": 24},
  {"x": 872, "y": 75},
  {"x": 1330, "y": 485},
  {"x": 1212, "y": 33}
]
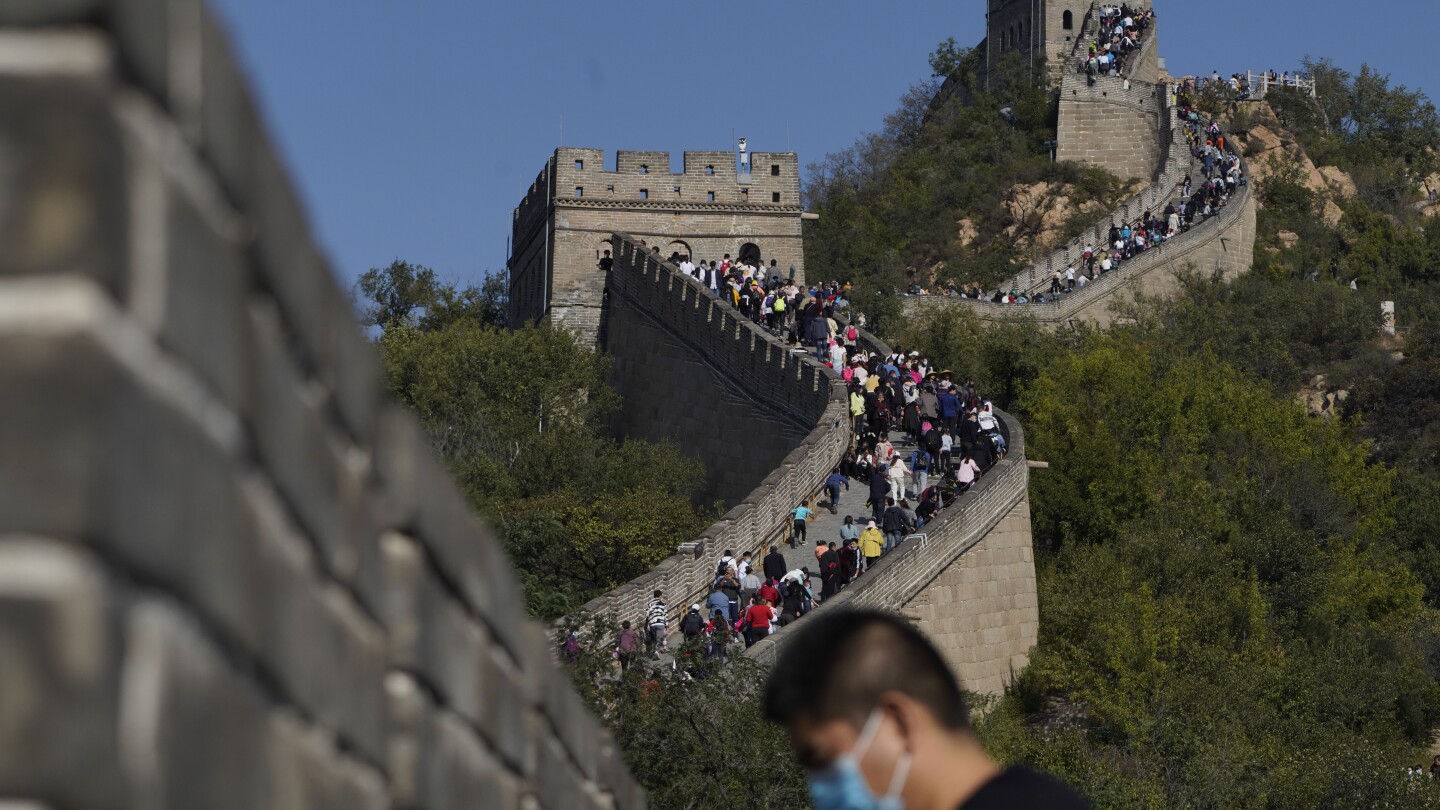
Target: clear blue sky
[{"x": 413, "y": 128}]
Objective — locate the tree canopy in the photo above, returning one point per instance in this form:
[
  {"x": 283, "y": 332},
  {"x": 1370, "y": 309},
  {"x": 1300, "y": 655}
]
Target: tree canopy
[{"x": 519, "y": 416}]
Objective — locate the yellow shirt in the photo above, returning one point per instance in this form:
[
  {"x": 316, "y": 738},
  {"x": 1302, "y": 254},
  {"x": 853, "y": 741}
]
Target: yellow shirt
[
  {"x": 872, "y": 382},
  {"x": 871, "y": 542}
]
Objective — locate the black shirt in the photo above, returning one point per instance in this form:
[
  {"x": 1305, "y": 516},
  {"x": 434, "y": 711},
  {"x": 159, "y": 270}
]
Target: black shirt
[
  {"x": 1020, "y": 787},
  {"x": 775, "y": 565}
]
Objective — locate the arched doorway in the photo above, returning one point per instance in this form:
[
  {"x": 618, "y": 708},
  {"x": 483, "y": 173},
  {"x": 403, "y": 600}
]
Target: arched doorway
[
  {"x": 678, "y": 250},
  {"x": 1068, "y": 21},
  {"x": 750, "y": 254}
]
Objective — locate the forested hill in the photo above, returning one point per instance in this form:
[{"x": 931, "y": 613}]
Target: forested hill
[{"x": 1237, "y": 536}]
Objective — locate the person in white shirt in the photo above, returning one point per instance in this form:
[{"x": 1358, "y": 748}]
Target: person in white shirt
[
  {"x": 687, "y": 267},
  {"x": 1105, "y": 265},
  {"x": 1070, "y": 277}
]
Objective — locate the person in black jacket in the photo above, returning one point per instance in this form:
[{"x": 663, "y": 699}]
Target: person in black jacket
[
  {"x": 830, "y": 572},
  {"x": 849, "y": 562},
  {"x": 895, "y": 523},
  {"x": 879, "y": 487},
  {"x": 774, "y": 565},
  {"x": 817, "y": 334}
]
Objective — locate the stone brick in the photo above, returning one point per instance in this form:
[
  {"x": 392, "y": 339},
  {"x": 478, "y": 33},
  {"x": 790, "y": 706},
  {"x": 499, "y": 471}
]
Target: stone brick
[
  {"x": 62, "y": 206},
  {"x": 177, "y": 690},
  {"x": 313, "y": 469},
  {"x": 558, "y": 785},
  {"x": 506, "y": 700},
  {"x": 52, "y": 422},
  {"x": 431, "y": 634},
  {"x": 201, "y": 273},
  {"x": 200, "y": 545},
  {"x": 410, "y": 717},
  {"x": 58, "y": 669},
  {"x": 309, "y": 772},
  {"x": 321, "y": 646},
  {"x": 463, "y": 774}
]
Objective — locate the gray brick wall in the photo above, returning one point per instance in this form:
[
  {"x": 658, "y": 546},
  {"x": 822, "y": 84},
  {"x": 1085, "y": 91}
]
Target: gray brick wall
[
  {"x": 693, "y": 371},
  {"x": 231, "y": 573}
]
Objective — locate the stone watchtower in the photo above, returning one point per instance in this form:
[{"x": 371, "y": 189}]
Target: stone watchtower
[
  {"x": 1038, "y": 29},
  {"x": 710, "y": 208}
]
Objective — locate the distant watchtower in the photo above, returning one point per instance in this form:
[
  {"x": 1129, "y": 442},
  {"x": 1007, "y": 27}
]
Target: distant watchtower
[
  {"x": 718, "y": 204},
  {"x": 1037, "y": 29}
]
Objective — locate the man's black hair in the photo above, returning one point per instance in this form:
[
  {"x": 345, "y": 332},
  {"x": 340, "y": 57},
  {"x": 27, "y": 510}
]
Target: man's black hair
[{"x": 837, "y": 666}]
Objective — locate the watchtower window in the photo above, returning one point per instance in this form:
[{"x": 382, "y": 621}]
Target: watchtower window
[
  {"x": 710, "y": 196},
  {"x": 1068, "y": 21},
  {"x": 644, "y": 169},
  {"x": 644, "y": 193},
  {"x": 774, "y": 196},
  {"x": 579, "y": 165},
  {"x": 774, "y": 170},
  {"x": 745, "y": 192},
  {"x": 677, "y": 189},
  {"x": 610, "y": 187},
  {"x": 579, "y": 191},
  {"x": 709, "y": 169}
]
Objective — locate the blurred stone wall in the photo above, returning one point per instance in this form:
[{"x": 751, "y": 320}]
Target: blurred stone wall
[{"x": 232, "y": 574}]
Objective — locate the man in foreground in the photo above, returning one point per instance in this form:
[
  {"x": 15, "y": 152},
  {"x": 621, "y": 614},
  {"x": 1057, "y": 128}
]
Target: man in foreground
[{"x": 879, "y": 721}]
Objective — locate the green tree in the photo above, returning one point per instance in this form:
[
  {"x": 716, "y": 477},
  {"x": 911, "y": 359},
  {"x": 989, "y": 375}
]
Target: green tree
[{"x": 405, "y": 294}]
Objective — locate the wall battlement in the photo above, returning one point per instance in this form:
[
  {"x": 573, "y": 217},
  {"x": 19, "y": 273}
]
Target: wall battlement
[{"x": 562, "y": 226}]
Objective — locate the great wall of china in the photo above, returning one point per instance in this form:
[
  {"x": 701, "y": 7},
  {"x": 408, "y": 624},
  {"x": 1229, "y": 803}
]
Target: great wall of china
[
  {"x": 1128, "y": 124},
  {"x": 211, "y": 516}
]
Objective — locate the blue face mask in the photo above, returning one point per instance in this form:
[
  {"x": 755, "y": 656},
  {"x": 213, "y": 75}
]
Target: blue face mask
[{"x": 843, "y": 787}]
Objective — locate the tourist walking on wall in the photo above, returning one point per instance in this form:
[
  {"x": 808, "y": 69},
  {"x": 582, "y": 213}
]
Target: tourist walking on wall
[
  {"x": 832, "y": 488},
  {"x": 758, "y": 618},
  {"x": 627, "y": 646},
  {"x": 730, "y": 586},
  {"x": 879, "y": 487},
  {"x": 800, "y": 515},
  {"x": 898, "y": 471},
  {"x": 872, "y": 544},
  {"x": 655, "y": 621},
  {"x": 895, "y": 524},
  {"x": 774, "y": 565}
]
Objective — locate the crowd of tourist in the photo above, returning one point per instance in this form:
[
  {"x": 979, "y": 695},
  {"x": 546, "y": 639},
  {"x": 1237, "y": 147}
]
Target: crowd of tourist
[
  {"x": 762, "y": 294},
  {"x": 1121, "y": 32},
  {"x": 1198, "y": 199},
  {"x": 1243, "y": 86},
  {"x": 920, "y": 439}
]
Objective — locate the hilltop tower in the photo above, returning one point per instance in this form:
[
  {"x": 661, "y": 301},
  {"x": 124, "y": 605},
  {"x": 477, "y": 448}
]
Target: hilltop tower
[
  {"x": 715, "y": 205},
  {"x": 1038, "y": 29}
]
